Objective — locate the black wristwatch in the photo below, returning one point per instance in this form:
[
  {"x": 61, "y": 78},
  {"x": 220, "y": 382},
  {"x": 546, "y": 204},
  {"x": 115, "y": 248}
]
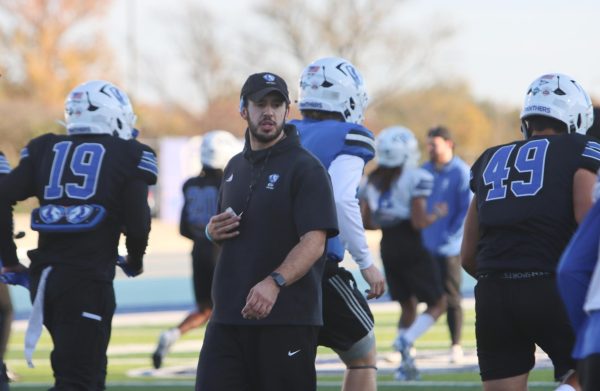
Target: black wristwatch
[{"x": 279, "y": 280}]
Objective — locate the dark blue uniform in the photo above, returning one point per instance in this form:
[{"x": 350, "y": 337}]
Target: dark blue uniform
[
  {"x": 200, "y": 196},
  {"x": 91, "y": 188},
  {"x": 6, "y": 309},
  {"x": 524, "y": 196}
]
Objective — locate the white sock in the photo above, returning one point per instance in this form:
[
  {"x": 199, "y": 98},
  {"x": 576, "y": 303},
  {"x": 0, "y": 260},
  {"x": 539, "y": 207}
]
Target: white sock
[
  {"x": 419, "y": 327},
  {"x": 565, "y": 387},
  {"x": 175, "y": 332}
]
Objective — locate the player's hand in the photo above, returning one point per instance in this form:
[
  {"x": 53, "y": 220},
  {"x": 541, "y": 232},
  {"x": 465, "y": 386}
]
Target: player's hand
[
  {"x": 261, "y": 299},
  {"x": 123, "y": 263},
  {"x": 15, "y": 275},
  {"x": 376, "y": 282},
  {"x": 440, "y": 209},
  {"x": 223, "y": 226}
]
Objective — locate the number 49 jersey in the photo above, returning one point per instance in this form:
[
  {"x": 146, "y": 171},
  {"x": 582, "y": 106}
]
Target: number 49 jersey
[
  {"x": 524, "y": 196},
  {"x": 90, "y": 188}
]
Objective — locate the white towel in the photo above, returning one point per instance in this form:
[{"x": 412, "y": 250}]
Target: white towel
[{"x": 36, "y": 318}]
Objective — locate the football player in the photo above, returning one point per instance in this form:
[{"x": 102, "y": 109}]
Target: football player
[
  {"x": 6, "y": 309},
  {"x": 200, "y": 195},
  {"x": 395, "y": 200},
  {"x": 529, "y": 196},
  {"x": 91, "y": 185},
  {"x": 332, "y": 102}
]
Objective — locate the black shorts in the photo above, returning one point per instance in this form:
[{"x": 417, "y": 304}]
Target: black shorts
[
  {"x": 512, "y": 316},
  {"x": 204, "y": 258},
  {"x": 347, "y": 317},
  {"x": 78, "y": 314},
  {"x": 410, "y": 270},
  {"x": 257, "y": 358}
]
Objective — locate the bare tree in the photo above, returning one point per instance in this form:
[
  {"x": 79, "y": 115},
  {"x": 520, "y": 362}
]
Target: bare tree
[
  {"x": 49, "y": 46},
  {"x": 366, "y": 32}
]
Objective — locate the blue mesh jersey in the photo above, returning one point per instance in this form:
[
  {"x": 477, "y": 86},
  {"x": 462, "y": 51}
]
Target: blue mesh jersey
[
  {"x": 524, "y": 196},
  {"x": 329, "y": 139},
  {"x": 90, "y": 189}
]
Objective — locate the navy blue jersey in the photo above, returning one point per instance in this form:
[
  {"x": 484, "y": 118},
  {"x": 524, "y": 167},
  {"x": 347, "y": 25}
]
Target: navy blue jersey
[
  {"x": 524, "y": 196},
  {"x": 329, "y": 139},
  {"x": 90, "y": 188},
  {"x": 200, "y": 197}
]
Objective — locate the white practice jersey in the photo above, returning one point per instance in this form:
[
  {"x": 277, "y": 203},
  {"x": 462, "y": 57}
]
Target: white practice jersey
[{"x": 393, "y": 206}]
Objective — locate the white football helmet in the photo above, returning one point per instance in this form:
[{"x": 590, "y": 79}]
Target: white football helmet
[
  {"x": 333, "y": 84},
  {"x": 397, "y": 146},
  {"x": 558, "y": 96},
  {"x": 99, "y": 107},
  {"x": 218, "y": 146}
]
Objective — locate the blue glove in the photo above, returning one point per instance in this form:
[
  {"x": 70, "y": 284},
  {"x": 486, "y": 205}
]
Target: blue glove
[
  {"x": 122, "y": 263},
  {"x": 15, "y": 278}
]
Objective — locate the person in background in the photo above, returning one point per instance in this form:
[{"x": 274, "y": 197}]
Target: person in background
[
  {"x": 332, "y": 102},
  {"x": 394, "y": 200},
  {"x": 200, "y": 195},
  {"x": 6, "y": 308},
  {"x": 529, "y": 197},
  {"x": 275, "y": 213},
  {"x": 444, "y": 236},
  {"x": 91, "y": 185}
]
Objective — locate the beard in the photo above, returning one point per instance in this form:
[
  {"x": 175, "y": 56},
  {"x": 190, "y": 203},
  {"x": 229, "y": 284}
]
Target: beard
[{"x": 262, "y": 137}]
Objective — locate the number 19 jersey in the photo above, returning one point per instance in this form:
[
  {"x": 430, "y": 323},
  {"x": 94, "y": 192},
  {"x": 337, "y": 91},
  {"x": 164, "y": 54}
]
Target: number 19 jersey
[
  {"x": 524, "y": 196},
  {"x": 90, "y": 188}
]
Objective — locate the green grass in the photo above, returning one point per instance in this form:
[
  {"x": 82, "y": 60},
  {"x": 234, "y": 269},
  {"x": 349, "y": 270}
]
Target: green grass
[{"x": 131, "y": 346}]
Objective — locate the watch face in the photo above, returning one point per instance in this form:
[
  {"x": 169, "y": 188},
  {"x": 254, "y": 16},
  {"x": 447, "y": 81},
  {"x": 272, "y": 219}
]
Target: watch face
[{"x": 278, "y": 278}]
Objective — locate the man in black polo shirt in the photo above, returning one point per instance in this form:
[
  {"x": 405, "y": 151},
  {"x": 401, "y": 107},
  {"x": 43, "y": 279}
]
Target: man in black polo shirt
[
  {"x": 276, "y": 211},
  {"x": 529, "y": 196}
]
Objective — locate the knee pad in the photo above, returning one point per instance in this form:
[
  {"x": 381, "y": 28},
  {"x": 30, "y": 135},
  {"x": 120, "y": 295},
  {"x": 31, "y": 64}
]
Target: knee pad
[{"x": 360, "y": 348}]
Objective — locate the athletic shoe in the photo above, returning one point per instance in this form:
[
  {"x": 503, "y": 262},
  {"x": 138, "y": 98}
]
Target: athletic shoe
[
  {"x": 165, "y": 341},
  {"x": 407, "y": 372},
  {"x": 403, "y": 346},
  {"x": 456, "y": 354}
]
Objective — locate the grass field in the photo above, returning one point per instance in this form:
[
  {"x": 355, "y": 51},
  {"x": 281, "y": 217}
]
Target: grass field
[{"x": 131, "y": 346}]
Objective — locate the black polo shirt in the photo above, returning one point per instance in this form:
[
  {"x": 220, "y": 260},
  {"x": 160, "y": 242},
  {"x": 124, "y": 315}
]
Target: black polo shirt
[{"x": 283, "y": 192}]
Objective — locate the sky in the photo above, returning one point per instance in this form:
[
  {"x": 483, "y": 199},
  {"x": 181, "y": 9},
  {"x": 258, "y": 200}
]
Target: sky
[{"x": 498, "y": 46}]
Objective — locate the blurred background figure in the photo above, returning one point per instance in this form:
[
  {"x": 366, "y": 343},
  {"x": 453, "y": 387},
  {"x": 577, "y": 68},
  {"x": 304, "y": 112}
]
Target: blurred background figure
[
  {"x": 200, "y": 204},
  {"x": 394, "y": 200},
  {"x": 6, "y": 309},
  {"x": 444, "y": 236}
]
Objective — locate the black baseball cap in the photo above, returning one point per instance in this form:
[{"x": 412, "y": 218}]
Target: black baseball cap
[{"x": 258, "y": 85}]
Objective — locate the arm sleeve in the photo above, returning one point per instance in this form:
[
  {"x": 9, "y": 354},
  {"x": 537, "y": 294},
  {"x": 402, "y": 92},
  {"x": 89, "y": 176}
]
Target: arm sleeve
[
  {"x": 137, "y": 221},
  {"x": 346, "y": 173}
]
